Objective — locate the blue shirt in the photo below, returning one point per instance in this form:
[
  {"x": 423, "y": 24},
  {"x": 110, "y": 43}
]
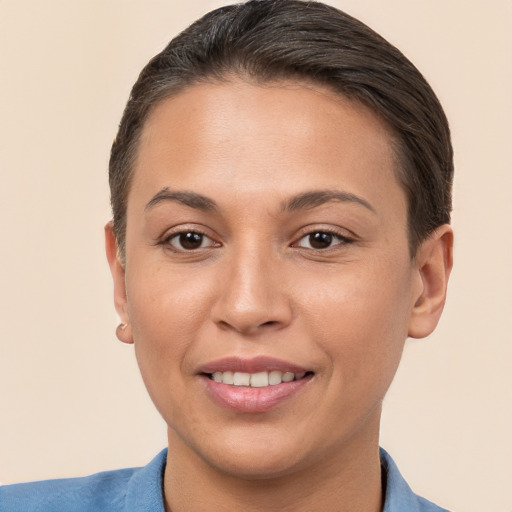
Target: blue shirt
[{"x": 140, "y": 490}]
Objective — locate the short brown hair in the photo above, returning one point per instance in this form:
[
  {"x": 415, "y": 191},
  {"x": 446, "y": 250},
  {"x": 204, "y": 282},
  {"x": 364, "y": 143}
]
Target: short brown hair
[{"x": 268, "y": 40}]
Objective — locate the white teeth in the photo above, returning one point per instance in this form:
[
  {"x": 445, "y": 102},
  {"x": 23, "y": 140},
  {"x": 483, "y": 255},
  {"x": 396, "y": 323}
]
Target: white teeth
[
  {"x": 241, "y": 379},
  {"x": 256, "y": 380},
  {"x": 259, "y": 380},
  {"x": 228, "y": 377},
  {"x": 275, "y": 377}
]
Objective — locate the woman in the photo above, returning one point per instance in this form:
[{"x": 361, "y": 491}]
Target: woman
[{"x": 281, "y": 194}]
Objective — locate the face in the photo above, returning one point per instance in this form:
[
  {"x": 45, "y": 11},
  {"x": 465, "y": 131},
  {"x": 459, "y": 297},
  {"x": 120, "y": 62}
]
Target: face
[{"x": 268, "y": 286}]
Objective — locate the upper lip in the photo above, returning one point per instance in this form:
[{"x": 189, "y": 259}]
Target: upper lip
[{"x": 250, "y": 365}]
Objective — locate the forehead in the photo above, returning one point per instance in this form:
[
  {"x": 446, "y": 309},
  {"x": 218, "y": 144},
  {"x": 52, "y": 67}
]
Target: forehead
[{"x": 252, "y": 135}]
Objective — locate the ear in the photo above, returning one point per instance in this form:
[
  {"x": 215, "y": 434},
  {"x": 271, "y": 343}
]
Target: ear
[
  {"x": 124, "y": 331},
  {"x": 433, "y": 264}
]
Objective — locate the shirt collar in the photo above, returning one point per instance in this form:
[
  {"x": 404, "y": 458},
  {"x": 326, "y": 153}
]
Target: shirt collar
[
  {"x": 398, "y": 496},
  {"x": 145, "y": 488}
]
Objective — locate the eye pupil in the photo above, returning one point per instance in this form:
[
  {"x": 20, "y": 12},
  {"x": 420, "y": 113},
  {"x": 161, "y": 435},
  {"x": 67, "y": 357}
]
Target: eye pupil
[
  {"x": 320, "y": 240},
  {"x": 191, "y": 240}
]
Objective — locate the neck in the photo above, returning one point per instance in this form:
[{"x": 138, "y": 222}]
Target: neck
[{"x": 347, "y": 480}]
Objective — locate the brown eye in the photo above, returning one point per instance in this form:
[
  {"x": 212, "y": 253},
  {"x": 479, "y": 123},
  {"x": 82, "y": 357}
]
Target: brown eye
[
  {"x": 189, "y": 241},
  {"x": 319, "y": 240}
]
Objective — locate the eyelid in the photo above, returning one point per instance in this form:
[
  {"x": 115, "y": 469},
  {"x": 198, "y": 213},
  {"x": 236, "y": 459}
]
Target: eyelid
[
  {"x": 344, "y": 238},
  {"x": 176, "y": 231},
  {"x": 177, "y": 236}
]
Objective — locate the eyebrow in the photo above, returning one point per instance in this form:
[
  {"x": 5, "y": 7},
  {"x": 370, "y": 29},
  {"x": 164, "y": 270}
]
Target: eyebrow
[
  {"x": 319, "y": 197},
  {"x": 191, "y": 199},
  {"x": 303, "y": 201}
]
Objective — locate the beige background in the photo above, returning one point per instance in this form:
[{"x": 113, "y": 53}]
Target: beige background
[{"x": 71, "y": 400}]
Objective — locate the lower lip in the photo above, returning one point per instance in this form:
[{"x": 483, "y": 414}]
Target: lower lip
[{"x": 252, "y": 400}]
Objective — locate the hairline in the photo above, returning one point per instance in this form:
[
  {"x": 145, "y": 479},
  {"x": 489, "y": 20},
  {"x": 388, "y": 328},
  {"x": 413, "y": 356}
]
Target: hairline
[{"x": 229, "y": 76}]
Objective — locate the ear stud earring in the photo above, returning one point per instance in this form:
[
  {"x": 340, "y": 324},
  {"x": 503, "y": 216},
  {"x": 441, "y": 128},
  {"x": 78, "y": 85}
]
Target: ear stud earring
[
  {"x": 121, "y": 327},
  {"x": 120, "y": 332}
]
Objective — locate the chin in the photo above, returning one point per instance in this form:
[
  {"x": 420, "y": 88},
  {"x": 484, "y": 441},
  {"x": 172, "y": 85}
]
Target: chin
[
  {"x": 257, "y": 465},
  {"x": 251, "y": 455}
]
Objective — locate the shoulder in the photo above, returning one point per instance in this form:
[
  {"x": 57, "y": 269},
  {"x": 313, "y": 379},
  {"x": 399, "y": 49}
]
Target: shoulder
[
  {"x": 399, "y": 497},
  {"x": 95, "y": 492},
  {"x": 109, "y": 491}
]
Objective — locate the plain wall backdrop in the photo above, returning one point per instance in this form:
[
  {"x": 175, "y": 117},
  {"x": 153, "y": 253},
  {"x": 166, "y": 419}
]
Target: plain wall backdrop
[{"x": 71, "y": 399}]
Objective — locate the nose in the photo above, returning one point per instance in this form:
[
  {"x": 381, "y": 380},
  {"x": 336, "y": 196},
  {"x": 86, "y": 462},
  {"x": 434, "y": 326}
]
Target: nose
[{"x": 253, "y": 297}]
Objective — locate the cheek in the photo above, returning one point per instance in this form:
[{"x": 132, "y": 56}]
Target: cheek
[
  {"x": 167, "y": 310},
  {"x": 165, "y": 303},
  {"x": 360, "y": 320}
]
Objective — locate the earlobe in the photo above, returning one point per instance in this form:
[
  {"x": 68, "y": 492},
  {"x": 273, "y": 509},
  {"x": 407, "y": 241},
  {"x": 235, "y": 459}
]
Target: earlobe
[
  {"x": 123, "y": 331},
  {"x": 433, "y": 264}
]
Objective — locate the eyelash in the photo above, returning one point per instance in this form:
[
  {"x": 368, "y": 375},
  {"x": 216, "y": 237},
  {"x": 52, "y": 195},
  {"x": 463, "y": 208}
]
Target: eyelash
[
  {"x": 332, "y": 234},
  {"x": 342, "y": 239},
  {"x": 167, "y": 241}
]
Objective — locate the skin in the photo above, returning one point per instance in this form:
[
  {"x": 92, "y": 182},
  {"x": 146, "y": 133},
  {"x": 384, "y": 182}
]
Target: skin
[{"x": 256, "y": 286}]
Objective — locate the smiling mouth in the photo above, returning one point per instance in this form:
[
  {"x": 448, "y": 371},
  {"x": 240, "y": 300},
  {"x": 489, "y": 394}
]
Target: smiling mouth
[{"x": 257, "y": 380}]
